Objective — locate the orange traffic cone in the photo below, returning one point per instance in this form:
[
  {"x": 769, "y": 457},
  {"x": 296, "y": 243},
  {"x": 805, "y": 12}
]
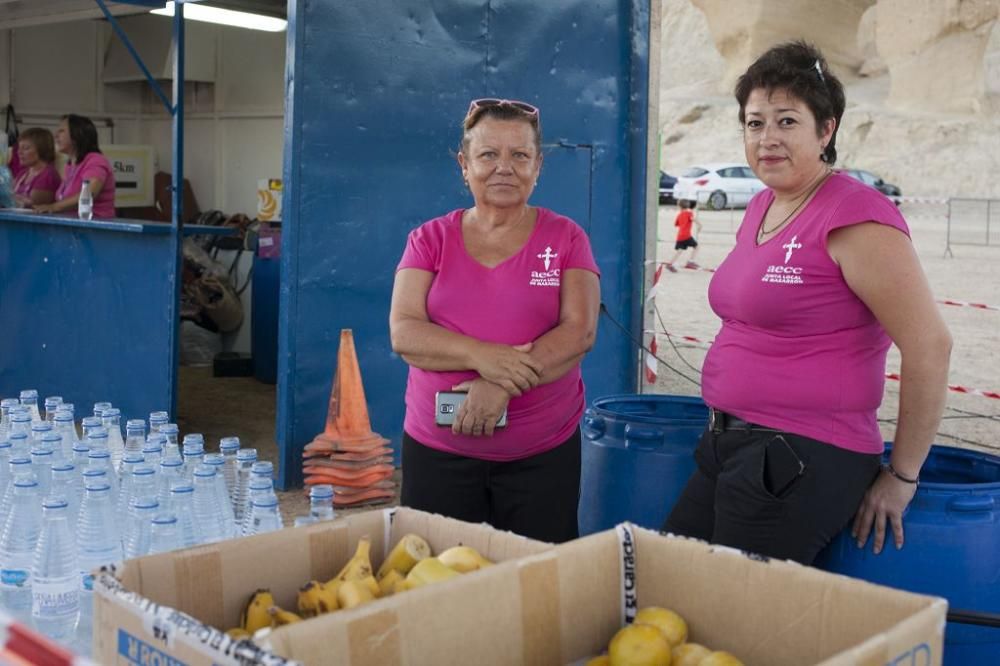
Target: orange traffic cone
[
  {"x": 348, "y": 455},
  {"x": 348, "y": 427}
]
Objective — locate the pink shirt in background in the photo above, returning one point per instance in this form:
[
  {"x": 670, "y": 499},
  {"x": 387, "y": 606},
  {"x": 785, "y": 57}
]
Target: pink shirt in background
[
  {"x": 46, "y": 180},
  {"x": 513, "y": 303},
  {"x": 798, "y": 350},
  {"x": 94, "y": 166}
]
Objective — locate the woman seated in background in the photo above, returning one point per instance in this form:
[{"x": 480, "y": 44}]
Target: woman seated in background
[
  {"x": 39, "y": 180},
  {"x": 77, "y": 138}
]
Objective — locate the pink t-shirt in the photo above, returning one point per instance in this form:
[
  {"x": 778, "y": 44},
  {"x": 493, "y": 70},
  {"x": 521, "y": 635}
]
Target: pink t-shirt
[
  {"x": 93, "y": 166},
  {"x": 513, "y": 303},
  {"x": 798, "y": 350},
  {"x": 47, "y": 180}
]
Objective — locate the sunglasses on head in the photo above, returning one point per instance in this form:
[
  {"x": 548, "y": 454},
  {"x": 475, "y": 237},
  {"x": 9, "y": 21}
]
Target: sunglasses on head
[{"x": 478, "y": 105}]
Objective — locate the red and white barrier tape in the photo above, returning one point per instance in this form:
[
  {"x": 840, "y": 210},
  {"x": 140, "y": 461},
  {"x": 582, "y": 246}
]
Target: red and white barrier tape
[
  {"x": 966, "y": 304},
  {"x": 705, "y": 344}
]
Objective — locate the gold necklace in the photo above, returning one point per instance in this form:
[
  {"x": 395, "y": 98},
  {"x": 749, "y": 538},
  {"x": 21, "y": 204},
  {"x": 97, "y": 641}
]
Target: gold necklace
[{"x": 761, "y": 231}]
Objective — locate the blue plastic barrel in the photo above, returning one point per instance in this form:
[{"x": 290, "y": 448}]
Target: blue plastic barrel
[
  {"x": 952, "y": 548},
  {"x": 637, "y": 457}
]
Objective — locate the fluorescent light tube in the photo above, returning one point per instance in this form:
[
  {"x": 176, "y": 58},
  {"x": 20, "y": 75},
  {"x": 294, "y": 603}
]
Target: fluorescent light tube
[{"x": 199, "y": 12}]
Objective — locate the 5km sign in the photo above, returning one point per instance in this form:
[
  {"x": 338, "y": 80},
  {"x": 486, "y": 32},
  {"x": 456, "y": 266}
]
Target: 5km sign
[{"x": 134, "y": 170}]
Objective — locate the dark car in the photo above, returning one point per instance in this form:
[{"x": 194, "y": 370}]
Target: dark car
[
  {"x": 667, "y": 183},
  {"x": 868, "y": 178}
]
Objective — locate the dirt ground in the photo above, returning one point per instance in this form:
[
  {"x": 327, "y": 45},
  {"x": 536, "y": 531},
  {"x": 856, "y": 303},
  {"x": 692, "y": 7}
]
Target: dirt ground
[{"x": 969, "y": 273}]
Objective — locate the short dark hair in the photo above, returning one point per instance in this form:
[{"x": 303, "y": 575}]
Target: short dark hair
[
  {"x": 500, "y": 112},
  {"x": 800, "y": 69},
  {"x": 83, "y": 134},
  {"x": 41, "y": 139}
]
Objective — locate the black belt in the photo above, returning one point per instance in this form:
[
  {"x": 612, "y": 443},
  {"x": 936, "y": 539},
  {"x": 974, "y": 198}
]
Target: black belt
[{"x": 719, "y": 422}]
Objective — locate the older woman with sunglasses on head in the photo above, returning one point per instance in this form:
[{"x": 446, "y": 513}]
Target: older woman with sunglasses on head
[
  {"x": 499, "y": 300},
  {"x": 822, "y": 279}
]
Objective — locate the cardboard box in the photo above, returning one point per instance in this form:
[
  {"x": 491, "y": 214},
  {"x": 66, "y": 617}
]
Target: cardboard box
[
  {"x": 173, "y": 608},
  {"x": 564, "y": 605}
]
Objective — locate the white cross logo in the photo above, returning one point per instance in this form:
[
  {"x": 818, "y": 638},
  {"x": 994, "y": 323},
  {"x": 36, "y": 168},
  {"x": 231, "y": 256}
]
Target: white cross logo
[
  {"x": 548, "y": 256},
  {"x": 791, "y": 246}
]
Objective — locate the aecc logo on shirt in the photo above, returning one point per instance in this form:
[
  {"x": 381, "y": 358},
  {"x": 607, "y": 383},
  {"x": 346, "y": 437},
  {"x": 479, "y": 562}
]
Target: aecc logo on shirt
[{"x": 547, "y": 277}]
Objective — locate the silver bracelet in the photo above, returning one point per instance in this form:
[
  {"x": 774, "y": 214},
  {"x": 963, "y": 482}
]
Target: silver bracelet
[{"x": 892, "y": 470}]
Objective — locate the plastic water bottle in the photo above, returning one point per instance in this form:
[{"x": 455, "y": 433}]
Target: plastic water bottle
[
  {"x": 130, "y": 463},
  {"x": 17, "y": 546},
  {"x": 265, "y": 515},
  {"x": 152, "y": 449},
  {"x": 54, "y": 442},
  {"x": 5, "y": 406},
  {"x": 229, "y": 446},
  {"x": 140, "y": 526},
  {"x": 79, "y": 458},
  {"x": 206, "y": 505},
  {"x": 20, "y": 422},
  {"x": 65, "y": 486},
  {"x": 182, "y": 506},
  {"x": 164, "y": 535},
  {"x": 111, "y": 420},
  {"x": 259, "y": 469},
  {"x": 98, "y": 543},
  {"x": 99, "y": 408},
  {"x": 100, "y": 459},
  {"x": 85, "y": 205},
  {"x": 192, "y": 451},
  {"x": 62, "y": 423},
  {"x": 157, "y": 419},
  {"x": 135, "y": 435},
  {"x": 217, "y": 462},
  {"x": 143, "y": 485},
  {"x": 20, "y": 444},
  {"x": 29, "y": 398},
  {"x": 97, "y": 439},
  {"x": 321, "y": 502},
  {"x": 170, "y": 431},
  {"x": 52, "y": 403},
  {"x": 17, "y": 467},
  {"x": 245, "y": 458},
  {"x": 38, "y": 429},
  {"x": 89, "y": 424},
  {"x": 55, "y": 574},
  {"x": 41, "y": 465},
  {"x": 260, "y": 488},
  {"x": 4, "y": 474},
  {"x": 171, "y": 474}
]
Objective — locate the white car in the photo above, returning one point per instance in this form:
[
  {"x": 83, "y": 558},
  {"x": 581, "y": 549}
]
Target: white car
[{"x": 718, "y": 185}]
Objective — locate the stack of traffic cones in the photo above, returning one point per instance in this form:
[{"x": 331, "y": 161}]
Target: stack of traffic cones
[{"x": 347, "y": 454}]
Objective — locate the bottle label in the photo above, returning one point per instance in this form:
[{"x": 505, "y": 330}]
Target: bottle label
[
  {"x": 15, "y": 578},
  {"x": 56, "y": 599}
]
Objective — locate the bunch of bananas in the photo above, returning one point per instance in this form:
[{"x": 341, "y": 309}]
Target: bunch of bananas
[{"x": 408, "y": 566}]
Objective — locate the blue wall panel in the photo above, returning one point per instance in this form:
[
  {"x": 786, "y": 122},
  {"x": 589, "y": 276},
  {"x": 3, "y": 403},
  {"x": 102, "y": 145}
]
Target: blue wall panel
[
  {"x": 376, "y": 92},
  {"x": 84, "y": 314}
]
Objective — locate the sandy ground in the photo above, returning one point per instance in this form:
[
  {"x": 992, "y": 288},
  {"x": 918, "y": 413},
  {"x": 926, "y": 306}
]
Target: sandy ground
[{"x": 968, "y": 273}]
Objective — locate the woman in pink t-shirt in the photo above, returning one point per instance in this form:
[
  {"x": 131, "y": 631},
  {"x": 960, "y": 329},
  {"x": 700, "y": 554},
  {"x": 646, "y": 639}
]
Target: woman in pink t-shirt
[
  {"x": 38, "y": 179},
  {"x": 500, "y": 301},
  {"x": 76, "y": 137},
  {"x": 822, "y": 278}
]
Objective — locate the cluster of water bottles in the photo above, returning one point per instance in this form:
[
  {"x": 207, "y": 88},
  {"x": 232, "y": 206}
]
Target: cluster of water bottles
[{"x": 72, "y": 504}]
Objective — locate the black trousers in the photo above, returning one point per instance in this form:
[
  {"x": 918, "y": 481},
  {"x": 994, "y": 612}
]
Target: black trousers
[
  {"x": 773, "y": 493},
  {"x": 536, "y": 497}
]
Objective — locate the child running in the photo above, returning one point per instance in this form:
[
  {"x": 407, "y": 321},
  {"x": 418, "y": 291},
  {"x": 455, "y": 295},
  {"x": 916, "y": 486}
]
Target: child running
[{"x": 685, "y": 239}]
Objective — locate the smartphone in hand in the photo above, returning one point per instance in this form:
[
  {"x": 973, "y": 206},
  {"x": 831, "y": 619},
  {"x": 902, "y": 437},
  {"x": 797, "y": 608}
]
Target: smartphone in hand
[{"x": 446, "y": 404}]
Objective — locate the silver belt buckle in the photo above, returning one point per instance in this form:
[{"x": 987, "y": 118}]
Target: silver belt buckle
[{"x": 712, "y": 419}]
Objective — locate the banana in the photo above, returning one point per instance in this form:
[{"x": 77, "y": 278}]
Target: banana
[
  {"x": 463, "y": 559},
  {"x": 360, "y": 564},
  {"x": 254, "y": 615},
  {"x": 280, "y": 617},
  {"x": 371, "y": 584},
  {"x": 427, "y": 571},
  {"x": 387, "y": 583},
  {"x": 354, "y": 593},
  {"x": 410, "y": 550},
  {"x": 315, "y": 599},
  {"x": 238, "y": 633}
]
